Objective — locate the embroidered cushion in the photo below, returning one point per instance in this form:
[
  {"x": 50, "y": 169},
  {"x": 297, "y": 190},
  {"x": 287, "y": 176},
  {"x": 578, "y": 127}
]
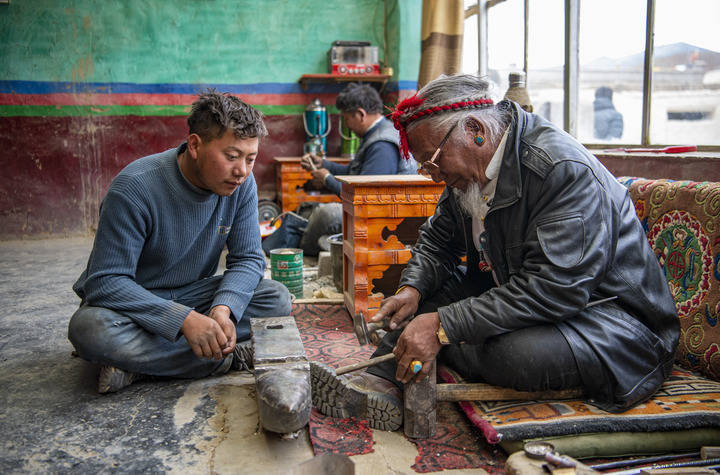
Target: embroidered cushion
[{"x": 682, "y": 223}]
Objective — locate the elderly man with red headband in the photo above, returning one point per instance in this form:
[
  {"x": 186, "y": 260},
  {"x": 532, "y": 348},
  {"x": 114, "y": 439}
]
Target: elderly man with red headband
[{"x": 560, "y": 288}]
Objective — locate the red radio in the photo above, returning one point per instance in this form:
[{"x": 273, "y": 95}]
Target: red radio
[{"x": 353, "y": 58}]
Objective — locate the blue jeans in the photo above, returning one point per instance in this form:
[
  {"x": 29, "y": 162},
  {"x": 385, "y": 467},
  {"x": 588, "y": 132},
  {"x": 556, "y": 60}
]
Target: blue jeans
[
  {"x": 326, "y": 219},
  {"x": 106, "y": 337}
]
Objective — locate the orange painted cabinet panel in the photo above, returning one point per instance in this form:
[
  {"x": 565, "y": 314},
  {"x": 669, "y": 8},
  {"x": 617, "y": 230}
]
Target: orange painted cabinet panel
[
  {"x": 382, "y": 215},
  {"x": 295, "y": 185}
]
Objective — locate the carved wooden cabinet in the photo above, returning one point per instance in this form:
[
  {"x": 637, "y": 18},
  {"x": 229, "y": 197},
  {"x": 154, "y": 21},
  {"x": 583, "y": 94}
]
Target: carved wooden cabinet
[
  {"x": 294, "y": 184},
  {"x": 381, "y": 218}
]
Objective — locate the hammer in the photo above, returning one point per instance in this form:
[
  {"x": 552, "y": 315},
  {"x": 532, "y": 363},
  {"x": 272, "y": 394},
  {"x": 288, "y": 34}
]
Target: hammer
[
  {"x": 367, "y": 333},
  {"x": 309, "y": 160},
  {"x": 416, "y": 365}
]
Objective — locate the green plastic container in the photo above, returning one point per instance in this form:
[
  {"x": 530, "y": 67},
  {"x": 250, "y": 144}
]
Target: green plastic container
[
  {"x": 286, "y": 268},
  {"x": 349, "y": 142},
  {"x": 297, "y": 291}
]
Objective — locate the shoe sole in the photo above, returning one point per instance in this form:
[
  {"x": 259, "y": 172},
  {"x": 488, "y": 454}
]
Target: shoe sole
[
  {"x": 334, "y": 397},
  {"x": 113, "y": 380}
]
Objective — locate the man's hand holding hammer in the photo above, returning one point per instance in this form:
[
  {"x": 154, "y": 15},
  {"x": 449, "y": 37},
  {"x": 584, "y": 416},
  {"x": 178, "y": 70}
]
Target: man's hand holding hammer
[
  {"x": 313, "y": 164},
  {"x": 310, "y": 162},
  {"x": 419, "y": 340}
]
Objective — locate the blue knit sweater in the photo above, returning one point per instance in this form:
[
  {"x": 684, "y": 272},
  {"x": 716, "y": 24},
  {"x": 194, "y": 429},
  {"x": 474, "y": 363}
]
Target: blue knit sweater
[{"x": 158, "y": 232}]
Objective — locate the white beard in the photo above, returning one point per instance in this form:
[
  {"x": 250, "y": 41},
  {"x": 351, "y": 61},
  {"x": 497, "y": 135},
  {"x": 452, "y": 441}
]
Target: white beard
[{"x": 470, "y": 200}]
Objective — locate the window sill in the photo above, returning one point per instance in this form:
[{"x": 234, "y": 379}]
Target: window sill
[{"x": 695, "y": 166}]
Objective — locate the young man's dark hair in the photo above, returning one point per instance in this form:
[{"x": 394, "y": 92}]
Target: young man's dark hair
[
  {"x": 213, "y": 113},
  {"x": 359, "y": 96}
]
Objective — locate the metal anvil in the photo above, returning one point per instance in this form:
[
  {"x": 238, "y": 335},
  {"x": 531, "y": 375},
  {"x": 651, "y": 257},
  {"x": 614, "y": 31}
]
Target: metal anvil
[{"x": 282, "y": 374}]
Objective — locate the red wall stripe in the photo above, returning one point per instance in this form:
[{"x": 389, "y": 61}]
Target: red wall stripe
[{"x": 65, "y": 99}]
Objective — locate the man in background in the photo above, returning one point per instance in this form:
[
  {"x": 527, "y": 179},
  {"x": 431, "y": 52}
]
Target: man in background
[
  {"x": 378, "y": 154},
  {"x": 607, "y": 121}
]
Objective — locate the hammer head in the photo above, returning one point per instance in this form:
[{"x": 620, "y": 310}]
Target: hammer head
[
  {"x": 361, "y": 328},
  {"x": 366, "y": 333}
]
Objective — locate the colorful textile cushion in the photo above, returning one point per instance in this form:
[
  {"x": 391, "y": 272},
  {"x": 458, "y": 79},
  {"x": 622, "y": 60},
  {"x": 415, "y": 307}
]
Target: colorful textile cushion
[
  {"x": 686, "y": 406},
  {"x": 682, "y": 223}
]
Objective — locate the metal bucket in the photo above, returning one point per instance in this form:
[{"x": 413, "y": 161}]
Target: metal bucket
[
  {"x": 336, "y": 257},
  {"x": 286, "y": 267}
]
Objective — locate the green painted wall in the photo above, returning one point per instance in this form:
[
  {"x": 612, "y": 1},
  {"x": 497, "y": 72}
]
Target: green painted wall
[
  {"x": 194, "y": 41},
  {"x": 405, "y": 28}
]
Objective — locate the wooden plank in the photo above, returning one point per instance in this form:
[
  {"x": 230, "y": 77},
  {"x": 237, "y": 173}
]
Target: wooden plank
[
  {"x": 420, "y": 404},
  {"x": 325, "y": 301},
  {"x": 379, "y": 180},
  {"x": 487, "y": 392},
  {"x": 297, "y": 159}
]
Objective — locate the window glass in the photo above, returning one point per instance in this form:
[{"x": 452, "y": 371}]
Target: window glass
[
  {"x": 505, "y": 43},
  {"x": 505, "y": 51},
  {"x": 612, "y": 56},
  {"x": 546, "y": 56},
  {"x": 686, "y": 80},
  {"x": 470, "y": 42},
  {"x": 505, "y": 39}
]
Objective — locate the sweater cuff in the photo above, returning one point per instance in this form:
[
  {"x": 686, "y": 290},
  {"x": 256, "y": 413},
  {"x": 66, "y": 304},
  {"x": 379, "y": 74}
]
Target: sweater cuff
[
  {"x": 170, "y": 322},
  {"x": 232, "y": 300}
]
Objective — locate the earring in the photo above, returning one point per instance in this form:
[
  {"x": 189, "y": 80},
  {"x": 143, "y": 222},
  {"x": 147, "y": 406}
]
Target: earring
[{"x": 479, "y": 139}]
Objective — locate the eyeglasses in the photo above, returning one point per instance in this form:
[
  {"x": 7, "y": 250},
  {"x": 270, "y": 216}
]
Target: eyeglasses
[{"x": 429, "y": 165}]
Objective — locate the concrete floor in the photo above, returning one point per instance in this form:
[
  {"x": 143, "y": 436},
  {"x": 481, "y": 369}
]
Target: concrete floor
[{"x": 52, "y": 420}]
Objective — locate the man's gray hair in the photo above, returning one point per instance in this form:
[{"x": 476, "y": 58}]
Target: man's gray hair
[{"x": 458, "y": 88}]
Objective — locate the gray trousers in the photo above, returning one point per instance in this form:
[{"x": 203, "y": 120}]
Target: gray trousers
[
  {"x": 325, "y": 220},
  {"x": 536, "y": 358},
  {"x": 106, "y": 337}
]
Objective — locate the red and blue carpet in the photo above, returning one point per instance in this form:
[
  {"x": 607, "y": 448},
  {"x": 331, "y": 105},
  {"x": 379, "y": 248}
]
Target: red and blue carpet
[{"x": 328, "y": 337}]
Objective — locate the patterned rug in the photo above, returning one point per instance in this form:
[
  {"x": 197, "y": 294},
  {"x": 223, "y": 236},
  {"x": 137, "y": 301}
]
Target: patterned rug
[
  {"x": 328, "y": 337},
  {"x": 685, "y": 401},
  {"x": 327, "y": 334},
  {"x": 339, "y": 436}
]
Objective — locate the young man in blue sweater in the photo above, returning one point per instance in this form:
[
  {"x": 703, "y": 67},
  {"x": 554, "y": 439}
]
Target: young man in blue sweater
[{"x": 151, "y": 302}]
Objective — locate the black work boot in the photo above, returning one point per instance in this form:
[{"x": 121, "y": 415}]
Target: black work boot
[{"x": 362, "y": 395}]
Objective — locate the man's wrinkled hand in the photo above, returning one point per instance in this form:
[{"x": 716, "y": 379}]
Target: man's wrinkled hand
[
  {"x": 418, "y": 341},
  {"x": 222, "y": 315},
  {"x": 310, "y": 162},
  {"x": 204, "y": 335},
  {"x": 398, "y": 308}
]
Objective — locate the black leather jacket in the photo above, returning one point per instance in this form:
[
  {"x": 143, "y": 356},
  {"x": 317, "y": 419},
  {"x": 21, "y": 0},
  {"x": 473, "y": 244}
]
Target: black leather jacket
[{"x": 561, "y": 232}]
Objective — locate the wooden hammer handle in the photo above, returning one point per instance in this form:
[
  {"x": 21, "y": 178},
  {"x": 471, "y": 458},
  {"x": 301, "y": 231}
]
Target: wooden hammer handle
[{"x": 364, "y": 364}]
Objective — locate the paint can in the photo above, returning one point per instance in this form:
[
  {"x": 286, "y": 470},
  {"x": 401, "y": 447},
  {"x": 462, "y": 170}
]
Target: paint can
[
  {"x": 286, "y": 267},
  {"x": 336, "y": 257}
]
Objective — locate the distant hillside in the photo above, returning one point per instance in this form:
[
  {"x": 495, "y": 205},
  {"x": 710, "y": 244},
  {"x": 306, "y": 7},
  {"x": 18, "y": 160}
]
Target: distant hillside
[{"x": 667, "y": 57}]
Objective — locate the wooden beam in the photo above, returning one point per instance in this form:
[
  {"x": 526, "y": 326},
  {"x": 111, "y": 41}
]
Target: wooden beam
[{"x": 487, "y": 392}]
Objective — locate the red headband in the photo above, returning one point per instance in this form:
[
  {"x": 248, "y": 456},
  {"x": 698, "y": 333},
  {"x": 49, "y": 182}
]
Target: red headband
[{"x": 415, "y": 101}]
